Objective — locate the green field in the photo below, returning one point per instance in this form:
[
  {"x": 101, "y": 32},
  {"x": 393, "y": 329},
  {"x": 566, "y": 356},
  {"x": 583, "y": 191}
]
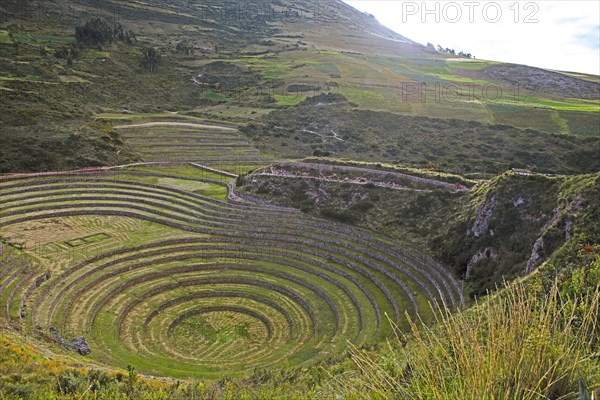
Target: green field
[
  {"x": 189, "y": 278},
  {"x": 188, "y": 140},
  {"x": 287, "y": 200}
]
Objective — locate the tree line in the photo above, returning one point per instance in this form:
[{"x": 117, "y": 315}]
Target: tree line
[
  {"x": 98, "y": 32},
  {"x": 447, "y": 50}
]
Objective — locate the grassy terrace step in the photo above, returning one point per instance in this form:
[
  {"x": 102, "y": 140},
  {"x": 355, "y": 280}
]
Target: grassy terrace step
[
  {"x": 181, "y": 140},
  {"x": 172, "y": 133},
  {"x": 177, "y": 152},
  {"x": 174, "y": 124},
  {"x": 213, "y": 225},
  {"x": 348, "y": 255},
  {"x": 18, "y": 274},
  {"x": 123, "y": 202},
  {"x": 28, "y": 275},
  {"x": 188, "y": 142},
  {"x": 245, "y": 286}
]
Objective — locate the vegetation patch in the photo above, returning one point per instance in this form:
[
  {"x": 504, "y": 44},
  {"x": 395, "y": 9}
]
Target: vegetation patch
[
  {"x": 255, "y": 285},
  {"x": 448, "y": 145}
]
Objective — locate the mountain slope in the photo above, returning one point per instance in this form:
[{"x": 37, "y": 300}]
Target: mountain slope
[
  {"x": 497, "y": 230},
  {"x": 281, "y": 52}
]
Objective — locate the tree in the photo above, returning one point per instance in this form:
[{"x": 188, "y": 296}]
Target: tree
[
  {"x": 150, "y": 59},
  {"x": 61, "y": 53},
  {"x": 131, "y": 379},
  {"x": 184, "y": 47},
  {"x": 74, "y": 50},
  {"x": 96, "y": 31}
]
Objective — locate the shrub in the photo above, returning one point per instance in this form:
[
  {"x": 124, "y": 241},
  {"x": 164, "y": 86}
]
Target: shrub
[
  {"x": 69, "y": 383},
  {"x": 520, "y": 344},
  {"x": 96, "y": 31}
]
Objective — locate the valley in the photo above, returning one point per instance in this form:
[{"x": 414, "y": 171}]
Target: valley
[{"x": 290, "y": 201}]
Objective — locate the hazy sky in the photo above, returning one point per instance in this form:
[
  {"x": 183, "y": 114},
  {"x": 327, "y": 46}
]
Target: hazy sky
[{"x": 553, "y": 34}]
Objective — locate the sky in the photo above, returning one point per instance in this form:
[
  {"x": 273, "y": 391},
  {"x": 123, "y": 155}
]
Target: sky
[{"x": 552, "y": 34}]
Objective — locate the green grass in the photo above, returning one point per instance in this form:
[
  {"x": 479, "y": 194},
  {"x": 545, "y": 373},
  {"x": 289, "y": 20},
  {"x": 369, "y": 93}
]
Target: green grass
[
  {"x": 28, "y": 78},
  {"x": 283, "y": 100},
  {"x": 545, "y": 119},
  {"x": 581, "y": 123},
  {"x": 211, "y": 95},
  {"x": 94, "y": 54},
  {"x": 592, "y": 106},
  {"x": 460, "y": 79},
  {"x": 267, "y": 67},
  {"x": 364, "y": 97},
  {"x": 54, "y": 38},
  {"x": 517, "y": 344},
  {"x": 35, "y": 38},
  {"x": 4, "y": 37},
  {"x": 469, "y": 64},
  {"x": 186, "y": 171},
  {"x": 329, "y": 67}
]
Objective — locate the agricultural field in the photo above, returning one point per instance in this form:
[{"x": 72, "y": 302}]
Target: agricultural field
[
  {"x": 336, "y": 129},
  {"x": 180, "y": 141},
  {"x": 191, "y": 280},
  {"x": 199, "y": 200},
  {"x": 53, "y": 86}
]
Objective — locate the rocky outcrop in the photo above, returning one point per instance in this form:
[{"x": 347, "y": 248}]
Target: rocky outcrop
[
  {"x": 518, "y": 201},
  {"x": 78, "y": 344},
  {"x": 568, "y": 226},
  {"x": 487, "y": 253},
  {"x": 537, "y": 255},
  {"x": 482, "y": 221},
  {"x": 552, "y": 220},
  {"x": 57, "y": 338}
]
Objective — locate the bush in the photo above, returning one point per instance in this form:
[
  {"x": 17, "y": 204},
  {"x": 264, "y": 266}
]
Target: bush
[
  {"x": 520, "y": 344},
  {"x": 69, "y": 383},
  {"x": 98, "y": 31},
  {"x": 95, "y": 32},
  {"x": 151, "y": 59}
]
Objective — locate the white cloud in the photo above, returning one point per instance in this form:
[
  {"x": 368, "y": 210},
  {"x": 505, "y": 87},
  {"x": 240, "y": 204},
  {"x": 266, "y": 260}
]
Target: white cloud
[{"x": 565, "y": 37}]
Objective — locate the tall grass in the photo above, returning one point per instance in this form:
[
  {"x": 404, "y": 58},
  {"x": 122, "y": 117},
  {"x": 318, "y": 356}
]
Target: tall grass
[{"x": 515, "y": 345}]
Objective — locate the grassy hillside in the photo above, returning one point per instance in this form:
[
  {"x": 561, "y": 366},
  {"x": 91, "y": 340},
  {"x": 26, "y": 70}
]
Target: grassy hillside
[
  {"x": 500, "y": 229},
  {"x": 487, "y": 357},
  {"x": 269, "y": 57},
  {"x": 337, "y": 129},
  {"x": 198, "y": 259}
]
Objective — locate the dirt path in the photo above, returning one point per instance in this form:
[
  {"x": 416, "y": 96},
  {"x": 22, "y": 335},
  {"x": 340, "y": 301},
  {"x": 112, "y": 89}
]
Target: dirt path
[{"x": 363, "y": 179}]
